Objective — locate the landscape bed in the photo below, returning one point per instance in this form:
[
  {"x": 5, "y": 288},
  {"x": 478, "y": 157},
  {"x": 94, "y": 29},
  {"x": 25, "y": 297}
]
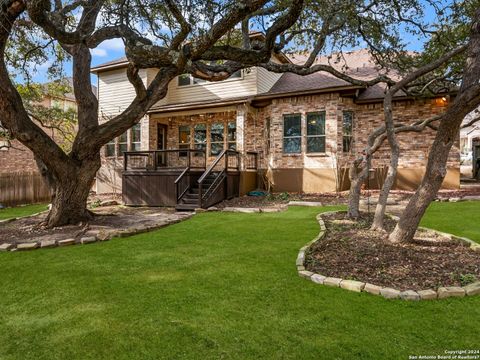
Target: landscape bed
[{"x": 349, "y": 253}]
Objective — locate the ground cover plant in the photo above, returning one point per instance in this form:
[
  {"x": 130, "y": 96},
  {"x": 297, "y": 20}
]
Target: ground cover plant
[{"x": 220, "y": 285}]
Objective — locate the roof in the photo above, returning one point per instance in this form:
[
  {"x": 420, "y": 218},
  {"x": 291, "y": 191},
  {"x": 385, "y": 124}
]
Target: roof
[
  {"x": 123, "y": 61},
  {"x": 199, "y": 104},
  {"x": 358, "y": 64},
  {"x": 117, "y": 63},
  {"x": 71, "y": 96}
]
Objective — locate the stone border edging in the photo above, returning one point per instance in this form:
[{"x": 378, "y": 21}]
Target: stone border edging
[
  {"x": 386, "y": 292},
  {"x": 88, "y": 238}
]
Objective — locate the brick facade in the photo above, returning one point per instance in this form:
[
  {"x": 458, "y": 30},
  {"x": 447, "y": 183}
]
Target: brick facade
[
  {"x": 317, "y": 172},
  {"x": 17, "y": 159}
]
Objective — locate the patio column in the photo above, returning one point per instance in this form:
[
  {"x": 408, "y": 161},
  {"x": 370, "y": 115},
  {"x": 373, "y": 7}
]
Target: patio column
[{"x": 241, "y": 122}]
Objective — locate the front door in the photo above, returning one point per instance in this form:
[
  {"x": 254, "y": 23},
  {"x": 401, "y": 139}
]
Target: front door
[{"x": 161, "y": 144}]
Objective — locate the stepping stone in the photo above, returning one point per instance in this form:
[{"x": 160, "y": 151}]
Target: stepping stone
[
  {"x": 305, "y": 203},
  {"x": 242, "y": 210},
  {"x": 389, "y": 293},
  {"x": 305, "y": 274},
  {"x": 318, "y": 279},
  {"x": 409, "y": 295},
  {"x": 428, "y": 294},
  {"x": 331, "y": 281},
  {"x": 352, "y": 285},
  {"x": 48, "y": 243},
  {"x": 372, "y": 289},
  {"x": 450, "y": 291},
  {"x": 88, "y": 239},
  {"x": 6, "y": 247},
  {"x": 472, "y": 289},
  {"x": 27, "y": 246},
  {"x": 66, "y": 242}
]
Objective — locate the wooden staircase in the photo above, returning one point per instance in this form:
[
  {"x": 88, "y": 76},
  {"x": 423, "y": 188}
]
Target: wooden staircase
[
  {"x": 191, "y": 199},
  {"x": 220, "y": 181}
]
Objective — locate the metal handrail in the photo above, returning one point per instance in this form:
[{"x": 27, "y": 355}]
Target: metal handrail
[{"x": 215, "y": 162}]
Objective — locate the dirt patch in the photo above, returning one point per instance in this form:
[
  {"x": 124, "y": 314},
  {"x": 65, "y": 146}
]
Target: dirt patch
[
  {"x": 112, "y": 218},
  {"x": 350, "y": 250}
]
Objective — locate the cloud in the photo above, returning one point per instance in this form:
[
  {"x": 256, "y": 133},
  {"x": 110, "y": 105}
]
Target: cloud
[
  {"x": 99, "y": 52},
  {"x": 112, "y": 44}
]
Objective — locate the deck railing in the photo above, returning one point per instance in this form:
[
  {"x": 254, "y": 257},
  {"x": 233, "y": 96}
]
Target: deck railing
[{"x": 165, "y": 159}]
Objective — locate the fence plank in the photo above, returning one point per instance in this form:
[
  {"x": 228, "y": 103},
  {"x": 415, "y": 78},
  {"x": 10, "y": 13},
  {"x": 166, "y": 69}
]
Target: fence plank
[{"x": 22, "y": 188}]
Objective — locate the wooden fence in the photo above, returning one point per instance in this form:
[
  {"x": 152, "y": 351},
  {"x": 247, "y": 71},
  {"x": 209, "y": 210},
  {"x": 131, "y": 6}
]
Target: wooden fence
[{"x": 22, "y": 188}]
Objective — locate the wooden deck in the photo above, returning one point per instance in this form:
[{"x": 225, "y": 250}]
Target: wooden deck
[{"x": 180, "y": 178}]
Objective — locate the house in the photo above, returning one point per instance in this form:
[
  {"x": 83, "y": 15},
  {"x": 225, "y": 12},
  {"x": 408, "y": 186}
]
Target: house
[
  {"x": 296, "y": 133},
  {"x": 20, "y": 180}
]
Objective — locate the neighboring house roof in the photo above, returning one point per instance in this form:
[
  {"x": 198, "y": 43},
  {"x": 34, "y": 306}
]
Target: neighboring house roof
[{"x": 70, "y": 95}]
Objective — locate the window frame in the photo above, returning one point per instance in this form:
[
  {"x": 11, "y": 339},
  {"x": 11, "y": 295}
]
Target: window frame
[
  {"x": 352, "y": 126},
  {"x": 222, "y": 142},
  {"x": 198, "y": 82},
  {"x": 324, "y": 135},
  {"x": 132, "y": 144},
  {"x": 300, "y": 137}
]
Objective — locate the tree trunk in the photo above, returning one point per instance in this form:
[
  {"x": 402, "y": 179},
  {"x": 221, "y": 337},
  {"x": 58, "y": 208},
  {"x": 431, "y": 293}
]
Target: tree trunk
[
  {"x": 354, "y": 198},
  {"x": 69, "y": 202},
  {"x": 467, "y": 100},
  {"x": 378, "y": 223},
  {"x": 356, "y": 181}
]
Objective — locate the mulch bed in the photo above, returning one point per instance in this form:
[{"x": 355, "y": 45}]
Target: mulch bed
[
  {"x": 350, "y": 250},
  {"x": 29, "y": 229}
]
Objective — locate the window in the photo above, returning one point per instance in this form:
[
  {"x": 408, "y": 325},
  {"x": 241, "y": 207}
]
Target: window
[
  {"x": 184, "y": 80},
  {"x": 347, "y": 131},
  {"x": 136, "y": 140},
  {"x": 110, "y": 148},
  {"x": 232, "y": 136},
  {"x": 183, "y": 139},
  {"x": 316, "y": 133},
  {"x": 198, "y": 81},
  {"x": 292, "y": 134},
  {"x": 236, "y": 75},
  {"x": 200, "y": 136},
  {"x": 122, "y": 144},
  {"x": 216, "y": 138}
]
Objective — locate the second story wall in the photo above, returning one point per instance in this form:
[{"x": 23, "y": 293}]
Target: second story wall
[
  {"x": 115, "y": 93},
  {"x": 244, "y": 86}
]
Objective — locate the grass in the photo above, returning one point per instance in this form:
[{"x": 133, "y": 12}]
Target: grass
[
  {"x": 20, "y": 211},
  {"x": 218, "y": 286},
  {"x": 459, "y": 218}
]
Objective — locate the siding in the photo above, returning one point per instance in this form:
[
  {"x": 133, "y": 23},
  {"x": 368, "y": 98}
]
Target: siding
[
  {"x": 246, "y": 86},
  {"x": 115, "y": 92},
  {"x": 266, "y": 79}
]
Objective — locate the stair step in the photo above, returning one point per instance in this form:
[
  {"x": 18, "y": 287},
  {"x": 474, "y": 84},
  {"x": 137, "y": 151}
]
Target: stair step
[
  {"x": 188, "y": 201},
  {"x": 186, "y": 207}
]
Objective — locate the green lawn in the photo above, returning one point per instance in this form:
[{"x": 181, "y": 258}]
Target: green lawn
[
  {"x": 459, "y": 218},
  {"x": 218, "y": 286},
  {"x": 21, "y": 211}
]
